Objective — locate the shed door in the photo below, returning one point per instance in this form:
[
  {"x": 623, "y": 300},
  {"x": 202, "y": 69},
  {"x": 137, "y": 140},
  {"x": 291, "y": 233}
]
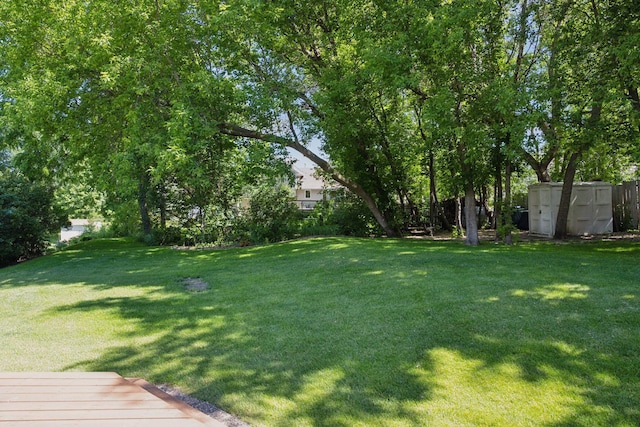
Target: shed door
[
  {"x": 580, "y": 219},
  {"x": 547, "y": 218},
  {"x": 538, "y": 197},
  {"x": 603, "y": 210}
]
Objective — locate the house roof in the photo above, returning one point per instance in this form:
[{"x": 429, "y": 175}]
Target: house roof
[
  {"x": 85, "y": 222},
  {"x": 310, "y": 179},
  {"x": 79, "y": 222}
]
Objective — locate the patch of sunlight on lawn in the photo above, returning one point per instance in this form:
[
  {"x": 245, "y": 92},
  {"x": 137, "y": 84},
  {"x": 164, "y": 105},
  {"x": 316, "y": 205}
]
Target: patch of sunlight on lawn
[
  {"x": 467, "y": 392},
  {"x": 52, "y": 334},
  {"x": 315, "y": 389},
  {"x": 489, "y": 300},
  {"x": 335, "y": 246},
  {"x": 618, "y": 249},
  {"x": 374, "y": 273},
  {"x": 556, "y": 291}
]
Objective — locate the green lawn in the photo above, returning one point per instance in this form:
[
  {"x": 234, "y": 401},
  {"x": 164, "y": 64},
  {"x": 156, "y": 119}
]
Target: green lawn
[{"x": 347, "y": 332}]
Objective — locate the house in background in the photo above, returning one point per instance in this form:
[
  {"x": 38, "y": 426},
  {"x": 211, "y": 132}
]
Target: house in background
[
  {"x": 311, "y": 188},
  {"x": 77, "y": 228}
]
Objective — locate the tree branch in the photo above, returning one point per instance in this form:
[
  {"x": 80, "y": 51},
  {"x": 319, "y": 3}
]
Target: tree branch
[{"x": 354, "y": 187}]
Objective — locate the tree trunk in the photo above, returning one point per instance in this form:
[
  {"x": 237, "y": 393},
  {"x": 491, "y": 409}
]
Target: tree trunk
[
  {"x": 471, "y": 219},
  {"x": 632, "y": 94},
  {"x": 508, "y": 239},
  {"x": 565, "y": 197},
  {"x": 484, "y": 214},
  {"x": 497, "y": 198},
  {"x": 540, "y": 168},
  {"x": 459, "y": 226},
  {"x": 435, "y": 210},
  {"x": 433, "y": 196},
  {"x": 507, "y": 189},
  {"x": 570, "y": 172},
  {"x": 354, "y": 187},
  {"x": 143, "y": 192},
  {"x": 163, "y": 207}
]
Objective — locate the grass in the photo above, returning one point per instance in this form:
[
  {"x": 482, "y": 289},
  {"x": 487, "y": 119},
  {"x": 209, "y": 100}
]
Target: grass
[{"x": 347, "y": 332}]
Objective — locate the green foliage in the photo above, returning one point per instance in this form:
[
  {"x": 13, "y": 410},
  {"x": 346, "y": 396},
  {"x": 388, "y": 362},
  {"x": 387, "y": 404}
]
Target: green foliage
[
  {"x": 139, "y": 94},
  {"x": 351, "y": 217},
  {"x": 125, "y": 219},
  {"x": 270, "y": 217},
  {"x": 171, "y": 235},
  {"x": 508, "y": 233},
  {"x": 457, "y": 232},
  {"x": 79, "y": 198},
  {"x": 311, "y": 228},
  {"x": 28, "y": 217}
]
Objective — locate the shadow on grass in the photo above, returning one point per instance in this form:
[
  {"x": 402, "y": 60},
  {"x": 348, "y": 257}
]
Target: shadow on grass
[
  {"x": 242, "y": 353},
  {"x": 390, "y": 345}
]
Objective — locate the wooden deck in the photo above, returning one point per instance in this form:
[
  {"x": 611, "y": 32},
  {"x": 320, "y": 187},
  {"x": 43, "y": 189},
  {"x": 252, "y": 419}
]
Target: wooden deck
[{"x": 90, "y": 399}]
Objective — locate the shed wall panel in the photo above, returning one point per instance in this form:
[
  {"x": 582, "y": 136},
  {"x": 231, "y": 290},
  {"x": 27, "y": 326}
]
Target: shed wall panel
[{"x": 590, "y": 211}]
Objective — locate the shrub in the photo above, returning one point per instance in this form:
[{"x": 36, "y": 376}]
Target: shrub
[
  {"x": 351, "y": 216},
  {"x": 125, "y": 219},
  {"x": 28, "y": 216},
  {"x": 271, "y": 216},
  {"x": 310, "y": 227}
]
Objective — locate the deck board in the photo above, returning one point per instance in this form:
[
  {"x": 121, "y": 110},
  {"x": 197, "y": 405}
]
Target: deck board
[
  {"x": 72, "y": 397},
  {"x": 61, "y": 381},
  {"x": 93, "y": 399},
  {"x": 103, "y": 423},
  {"x": 84, "y": 405},
  {"x": 53, "y": 389}
]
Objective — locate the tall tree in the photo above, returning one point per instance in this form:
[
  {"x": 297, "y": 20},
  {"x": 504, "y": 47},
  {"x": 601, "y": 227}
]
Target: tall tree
[
  {"x": 158, "y": 97},
  {"x": 459, "y": 59},
  {"x": 584, "y": 79},
  {"x": 118, "y": 85},
  {"x": 309, "y": 59}
]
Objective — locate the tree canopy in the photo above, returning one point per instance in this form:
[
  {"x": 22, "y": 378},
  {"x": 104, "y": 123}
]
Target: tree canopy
[{"x": 167, "y": 105}]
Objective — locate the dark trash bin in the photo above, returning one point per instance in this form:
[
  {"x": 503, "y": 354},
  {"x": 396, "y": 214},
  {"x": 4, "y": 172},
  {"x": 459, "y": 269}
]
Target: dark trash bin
[{"x": 520, "y": 219}]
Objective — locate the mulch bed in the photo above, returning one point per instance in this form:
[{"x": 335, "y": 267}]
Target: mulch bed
[
  {"x": 204, "y": 407},
  {"x": 524, "y": 236}
]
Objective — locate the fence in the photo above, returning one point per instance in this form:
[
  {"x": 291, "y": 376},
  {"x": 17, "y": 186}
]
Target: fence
[{"x": 626, "y": 206}]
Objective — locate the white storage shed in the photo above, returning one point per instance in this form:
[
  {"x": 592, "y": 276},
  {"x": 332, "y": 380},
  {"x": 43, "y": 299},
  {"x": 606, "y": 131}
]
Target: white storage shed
[{"x": 590, "y": 212}]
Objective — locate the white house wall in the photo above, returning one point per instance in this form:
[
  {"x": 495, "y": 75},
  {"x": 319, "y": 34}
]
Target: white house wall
[
  {"x": 305, "y": 202},
  {"x": 77, "y": 228},
  {"x": 307, "y": 180}
]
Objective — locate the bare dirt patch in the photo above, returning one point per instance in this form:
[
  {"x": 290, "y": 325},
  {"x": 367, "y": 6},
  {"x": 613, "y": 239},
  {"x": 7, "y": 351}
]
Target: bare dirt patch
[{"x": 195, "y": 284}]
